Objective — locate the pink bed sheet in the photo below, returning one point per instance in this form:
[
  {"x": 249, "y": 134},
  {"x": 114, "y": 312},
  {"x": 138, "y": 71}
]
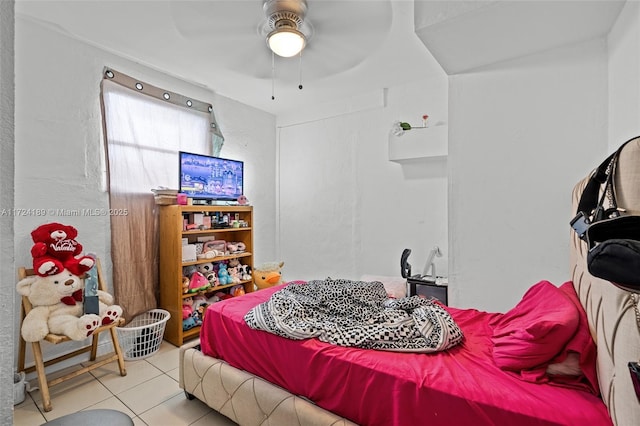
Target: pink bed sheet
[{"x": 461, "y": 386}]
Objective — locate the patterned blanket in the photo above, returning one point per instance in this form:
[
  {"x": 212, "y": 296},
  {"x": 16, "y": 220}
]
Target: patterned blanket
[{"x": 356, "y": 313}]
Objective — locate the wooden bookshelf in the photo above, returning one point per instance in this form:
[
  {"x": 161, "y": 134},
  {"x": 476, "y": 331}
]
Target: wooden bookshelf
[{"x": 172, "y": 233}]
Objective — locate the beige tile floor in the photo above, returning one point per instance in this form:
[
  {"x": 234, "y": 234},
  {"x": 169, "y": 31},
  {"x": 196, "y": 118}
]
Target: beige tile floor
[{"x": 149, "y": 394}]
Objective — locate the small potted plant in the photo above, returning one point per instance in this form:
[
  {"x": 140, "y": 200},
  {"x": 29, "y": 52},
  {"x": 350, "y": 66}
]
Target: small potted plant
[{"x": 399, "y": 127}]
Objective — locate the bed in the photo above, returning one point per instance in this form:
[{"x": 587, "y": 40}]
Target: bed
[{"x": 257, "y": 378}]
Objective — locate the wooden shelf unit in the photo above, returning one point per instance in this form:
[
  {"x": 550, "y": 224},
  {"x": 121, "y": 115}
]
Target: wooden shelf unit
[{"x": 171, "y": 235}]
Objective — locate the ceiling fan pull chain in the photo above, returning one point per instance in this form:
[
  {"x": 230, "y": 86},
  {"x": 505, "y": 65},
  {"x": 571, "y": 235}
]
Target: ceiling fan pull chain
[
  {"x": 273, "y": 76},
  {"x": 300, "y": 72}
]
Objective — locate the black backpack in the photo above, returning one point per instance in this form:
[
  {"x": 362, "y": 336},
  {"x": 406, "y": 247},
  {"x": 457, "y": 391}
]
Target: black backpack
[{"x": 613, "y": 238}]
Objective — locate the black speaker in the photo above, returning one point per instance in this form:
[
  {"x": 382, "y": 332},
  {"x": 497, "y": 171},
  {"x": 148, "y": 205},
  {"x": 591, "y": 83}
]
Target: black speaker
[{"x": 428, "y": 289}]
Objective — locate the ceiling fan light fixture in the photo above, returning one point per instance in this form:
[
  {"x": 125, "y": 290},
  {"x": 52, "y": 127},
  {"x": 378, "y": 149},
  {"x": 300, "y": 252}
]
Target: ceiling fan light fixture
[{"x": 286, "y": 41}]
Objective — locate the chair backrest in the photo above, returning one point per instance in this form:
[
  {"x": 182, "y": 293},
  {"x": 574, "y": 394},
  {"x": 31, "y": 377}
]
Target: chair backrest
[{"x": 24, "y": 272}]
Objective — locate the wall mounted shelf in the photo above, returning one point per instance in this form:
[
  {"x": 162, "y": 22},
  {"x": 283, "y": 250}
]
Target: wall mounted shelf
[{"x": 417, "y": 143}]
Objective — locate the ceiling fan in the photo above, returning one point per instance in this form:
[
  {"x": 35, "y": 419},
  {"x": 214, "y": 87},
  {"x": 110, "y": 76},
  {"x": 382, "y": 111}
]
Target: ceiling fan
[
  {"x": 286, "y": 28},
  {"x": 332, "y": 36}
]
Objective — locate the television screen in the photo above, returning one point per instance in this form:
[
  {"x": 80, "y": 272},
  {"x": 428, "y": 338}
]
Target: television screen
[{"x": 210, "y": 178}]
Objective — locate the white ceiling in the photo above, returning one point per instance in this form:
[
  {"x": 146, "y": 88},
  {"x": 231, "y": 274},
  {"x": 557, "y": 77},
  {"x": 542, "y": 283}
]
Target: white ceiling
[
  {"x": 464, "y": 35},
  {"x": 357, "y": 46}
]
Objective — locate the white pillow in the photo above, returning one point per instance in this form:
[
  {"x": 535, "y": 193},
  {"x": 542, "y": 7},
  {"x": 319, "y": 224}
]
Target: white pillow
[{"x": 396, "y": 287}]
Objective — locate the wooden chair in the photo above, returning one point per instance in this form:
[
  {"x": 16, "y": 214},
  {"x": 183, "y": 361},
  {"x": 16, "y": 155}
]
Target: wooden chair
[{"x": 41, "y": 364}]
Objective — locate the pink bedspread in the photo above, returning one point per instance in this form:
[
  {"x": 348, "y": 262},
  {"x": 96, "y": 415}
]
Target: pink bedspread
[{"x": 461, "y": 386}]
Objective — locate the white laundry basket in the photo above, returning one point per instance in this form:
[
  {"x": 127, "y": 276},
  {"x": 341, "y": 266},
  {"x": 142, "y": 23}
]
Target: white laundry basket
[{"x": 141, "y": 337}]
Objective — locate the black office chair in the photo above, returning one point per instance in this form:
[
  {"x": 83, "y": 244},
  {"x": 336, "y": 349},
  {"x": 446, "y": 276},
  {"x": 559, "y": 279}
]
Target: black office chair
[{"x": 405, "y": 266}]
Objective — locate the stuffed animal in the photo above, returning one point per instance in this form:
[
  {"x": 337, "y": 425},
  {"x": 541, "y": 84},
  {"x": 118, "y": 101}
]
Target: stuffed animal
[
  {"x": 268, "y": 274},
  {"x": 187, "y": 307},
  {"x": 207, "y": 270},
  {"x": 245, "y": 272},
  {"x": 236, "y": 247},
  {"x": 58, "y": 308},
  {"x": 198, "y": 282},
  {"x": 223, "y": 275},
  {"x": 55, "y": 248},
  {"x": 201, "y": 310},
  {"x": 200, "y": 304},
  {"x": 234, "y": 273},
  {"x": 237, "y": 290},
  {"x": 187, "y": 271},
  {"x": 185, "y": 284},
  {"x": 188, "y": 323},
  {"x": 212, "y": 277},
  {"x": 199, "y": 301},
  {"x": 197, "y": 317}
]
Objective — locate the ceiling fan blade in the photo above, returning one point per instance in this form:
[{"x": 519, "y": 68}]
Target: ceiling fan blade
[
  {"x": 341, "y": 35},
  {"x": 257, "y": 63},
  {"x": 350, "y": 18},
  {"x": 345, "y": 33},
  {"x": 254, "y": 62},
  {"x": 216, "y": 19}
]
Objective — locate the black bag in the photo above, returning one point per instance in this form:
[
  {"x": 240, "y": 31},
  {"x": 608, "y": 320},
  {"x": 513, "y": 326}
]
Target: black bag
[{"x": 613, "y": 239}]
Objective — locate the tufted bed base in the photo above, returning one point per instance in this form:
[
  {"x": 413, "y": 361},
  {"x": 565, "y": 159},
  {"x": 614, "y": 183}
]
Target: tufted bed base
[{"x": 244, "y": 398}]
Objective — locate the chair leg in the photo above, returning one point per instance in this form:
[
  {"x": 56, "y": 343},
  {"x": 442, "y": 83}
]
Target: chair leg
[
  {"x": 42, "y": 376},
  {"x": 22, "y": 346},
  {"x": 94, "y": 346},
  {"x": 116, "y": 347}
]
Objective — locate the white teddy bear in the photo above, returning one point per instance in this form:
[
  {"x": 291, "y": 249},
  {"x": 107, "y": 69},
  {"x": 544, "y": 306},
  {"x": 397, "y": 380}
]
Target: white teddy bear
[{"x": 58, "y": 308}]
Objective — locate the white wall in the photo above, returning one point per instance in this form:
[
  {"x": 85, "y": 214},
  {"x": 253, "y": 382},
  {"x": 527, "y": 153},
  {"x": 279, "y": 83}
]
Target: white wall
[
  {"x": 59, "y": 142},
  {"x": 624, "y": 69},
  {"x": 522, "y": 134},
  {"x": 7, "y": 269},
  {"x": 250, "y": 136},
  {"x": 344, "y": 209}
]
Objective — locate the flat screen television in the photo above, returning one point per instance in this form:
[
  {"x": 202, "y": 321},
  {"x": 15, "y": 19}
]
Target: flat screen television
[{"x": 203, "y": 177}]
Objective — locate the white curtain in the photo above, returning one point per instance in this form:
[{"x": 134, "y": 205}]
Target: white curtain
[{"x": 143, "y": 137}]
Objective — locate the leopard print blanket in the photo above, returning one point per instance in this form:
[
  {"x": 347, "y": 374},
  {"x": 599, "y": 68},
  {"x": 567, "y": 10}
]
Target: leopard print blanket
[{"x": 356, "y": 313}]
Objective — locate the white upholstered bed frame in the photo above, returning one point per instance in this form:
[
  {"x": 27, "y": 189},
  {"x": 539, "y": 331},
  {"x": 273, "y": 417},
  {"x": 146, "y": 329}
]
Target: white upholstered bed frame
[
  {"x": 611, "y": 312},
  {"x": 249, "y": 400}
]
